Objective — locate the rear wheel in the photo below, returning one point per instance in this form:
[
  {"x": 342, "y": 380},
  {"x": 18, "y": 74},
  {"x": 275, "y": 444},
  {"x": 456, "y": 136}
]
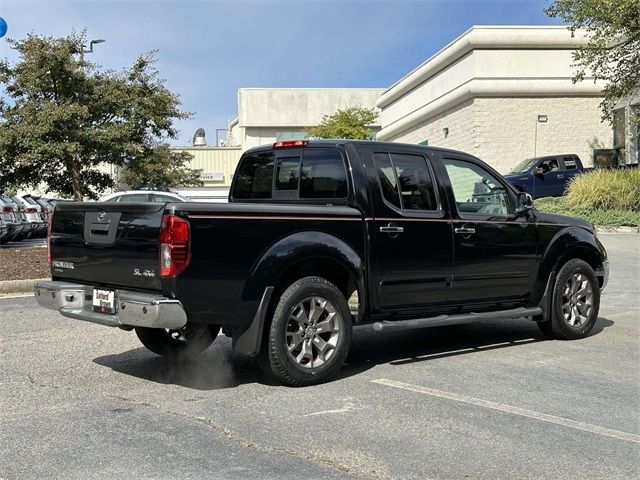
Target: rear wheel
[
  {"x": 310, "y": 334},
  {"x": 186, "y": 342},
  {"x": 575, "y": 302}
]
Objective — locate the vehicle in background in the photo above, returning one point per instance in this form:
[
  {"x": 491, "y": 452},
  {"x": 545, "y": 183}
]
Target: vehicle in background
[
  {"x": 9, "y": 216},
  {"x": 136, "y": 196},
  {"x": 46, "y": 209},
  {"x": 3, "y": 230},
  {"x": 548, "y": 176},
  {"x": 32, "y": 212},
  {"x": 20, "y": 216}
]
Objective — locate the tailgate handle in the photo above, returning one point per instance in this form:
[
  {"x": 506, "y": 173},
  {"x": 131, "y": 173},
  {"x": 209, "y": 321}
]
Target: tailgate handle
[{"x": 99, "y": 228}]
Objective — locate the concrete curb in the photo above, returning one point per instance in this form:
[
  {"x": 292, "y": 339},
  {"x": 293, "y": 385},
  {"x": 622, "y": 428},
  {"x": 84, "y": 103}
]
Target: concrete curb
[
  {"x": 18, "y": 286},
  {"x": 619, "y": 230}
]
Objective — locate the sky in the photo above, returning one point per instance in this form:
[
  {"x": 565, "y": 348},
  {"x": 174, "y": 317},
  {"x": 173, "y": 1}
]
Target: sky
[{"x": 209, "y": 49}]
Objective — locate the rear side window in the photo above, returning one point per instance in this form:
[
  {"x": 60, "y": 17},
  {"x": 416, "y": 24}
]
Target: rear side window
[
  {"x": 254, "y": 178},
  {"x": 323, "y": 174},
  {"x": 569, "y": 163},
  {"x": 405, "y": 181},
  {"x": 388, "y": 180}
]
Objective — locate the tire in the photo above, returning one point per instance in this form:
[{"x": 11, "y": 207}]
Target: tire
[
  {"x": 301, "y": 348},
  {"x": 575, "y": 302},
  {"x": 188, "y": 342}
]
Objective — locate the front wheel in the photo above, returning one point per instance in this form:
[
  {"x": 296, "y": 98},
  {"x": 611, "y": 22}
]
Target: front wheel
[
  {"x": 310, "y": 333},
  {"x": 186, "y": 342},
  {"x": 575, "y": 302}
]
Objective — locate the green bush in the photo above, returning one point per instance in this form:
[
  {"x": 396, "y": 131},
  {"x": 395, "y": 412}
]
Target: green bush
[
  {"x": 610, "y": 218},
  {"x": 606, "y": 190}
]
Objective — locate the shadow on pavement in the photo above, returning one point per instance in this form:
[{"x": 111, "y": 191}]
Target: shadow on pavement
[{"x": 220, "y": 367}]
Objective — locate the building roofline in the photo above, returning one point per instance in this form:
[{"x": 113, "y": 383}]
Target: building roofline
[
  {"x": 372, "y": 89},
  {"x": 490, "y": 36}
]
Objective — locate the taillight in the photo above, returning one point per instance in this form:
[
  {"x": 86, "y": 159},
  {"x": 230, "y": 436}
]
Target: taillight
[
  {"x": 31, "y": 210},
  {"x": 291, "y": 144},
  {"x": 175, "y": 245},
  {"x": 7, "y": 209},
  {"x": 49, "y": 237}
]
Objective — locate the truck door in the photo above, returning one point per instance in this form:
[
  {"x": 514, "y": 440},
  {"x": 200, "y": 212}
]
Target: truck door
[
  {"x": 494, "y": 250},
  {"x": 550, "y": 181},
  {"x": 412, "y": 239}
]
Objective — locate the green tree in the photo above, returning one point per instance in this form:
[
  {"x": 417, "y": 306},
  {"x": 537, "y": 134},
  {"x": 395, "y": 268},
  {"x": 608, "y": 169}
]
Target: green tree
[
  {"x": 613, "y": 51},
  {"x": 161, "y": 168},
  {"x": 64, "y": 120},
  {"x": 352, "y": 123}
]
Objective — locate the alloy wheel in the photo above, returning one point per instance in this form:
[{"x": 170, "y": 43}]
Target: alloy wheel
[
  {"x": 313, "y": 331},
  {"x": 577, "y": 300}
]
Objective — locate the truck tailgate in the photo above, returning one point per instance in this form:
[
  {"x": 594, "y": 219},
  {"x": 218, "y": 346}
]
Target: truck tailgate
[{"x": 107, "y": 244}]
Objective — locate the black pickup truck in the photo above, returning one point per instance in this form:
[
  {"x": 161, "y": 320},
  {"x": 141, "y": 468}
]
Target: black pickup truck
[{"x": 319, "y": 236}]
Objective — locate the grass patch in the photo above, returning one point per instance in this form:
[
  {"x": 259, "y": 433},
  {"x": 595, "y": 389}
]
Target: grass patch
[{"x": 605, "y": 218}]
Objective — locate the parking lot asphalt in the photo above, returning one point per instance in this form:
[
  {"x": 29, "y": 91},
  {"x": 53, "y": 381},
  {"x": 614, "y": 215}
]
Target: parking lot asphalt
[{"x": 489, "y": 400}]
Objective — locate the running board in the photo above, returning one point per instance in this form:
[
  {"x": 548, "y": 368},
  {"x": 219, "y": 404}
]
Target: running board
[{"x": 456, "y": 319}]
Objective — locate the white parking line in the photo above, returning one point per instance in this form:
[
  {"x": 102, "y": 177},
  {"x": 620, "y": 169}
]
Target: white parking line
[{"x": 565, "y": 422}]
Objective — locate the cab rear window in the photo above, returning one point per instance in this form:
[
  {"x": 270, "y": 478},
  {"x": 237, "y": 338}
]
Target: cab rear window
[{"x": 314, "y": 173}]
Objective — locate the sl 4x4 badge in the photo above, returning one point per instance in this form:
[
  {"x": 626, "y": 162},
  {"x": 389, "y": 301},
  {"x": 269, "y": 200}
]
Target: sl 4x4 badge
[{"x": 143, "y": 273}]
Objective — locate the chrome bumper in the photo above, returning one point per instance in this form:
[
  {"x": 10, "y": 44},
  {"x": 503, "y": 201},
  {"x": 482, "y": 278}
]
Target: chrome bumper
[{"x": 133, "y": 309}]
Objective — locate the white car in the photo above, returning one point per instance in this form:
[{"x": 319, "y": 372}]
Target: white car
[
  {"x": 33, "y": 214},
  {"x": 131, "y": 196}
]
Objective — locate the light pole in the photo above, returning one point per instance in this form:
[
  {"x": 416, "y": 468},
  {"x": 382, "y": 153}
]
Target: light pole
[
  {"x": 90, "y": 49},
  {"x": 540, "y": 119}
]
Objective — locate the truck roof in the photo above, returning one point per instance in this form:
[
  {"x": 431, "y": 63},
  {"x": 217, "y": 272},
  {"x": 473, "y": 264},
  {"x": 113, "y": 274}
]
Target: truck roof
[{"x": 340, "y": 142}]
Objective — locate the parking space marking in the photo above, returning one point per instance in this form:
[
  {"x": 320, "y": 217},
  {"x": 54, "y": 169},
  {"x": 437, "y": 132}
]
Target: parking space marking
[{"x": 523, "y": 412}]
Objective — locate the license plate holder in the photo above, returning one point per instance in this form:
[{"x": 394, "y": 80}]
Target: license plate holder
[{"x": 104, "y": 301}]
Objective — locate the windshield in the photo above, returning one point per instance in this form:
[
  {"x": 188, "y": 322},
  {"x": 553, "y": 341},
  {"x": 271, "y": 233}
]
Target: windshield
[{"x": 524, "y": 165}]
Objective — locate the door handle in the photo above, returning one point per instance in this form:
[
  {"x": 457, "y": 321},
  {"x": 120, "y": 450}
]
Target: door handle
[
  {"x": 465, "y": 230},
  {"x": 560, "y": 175},
  {"x": 391, "y": 229}
]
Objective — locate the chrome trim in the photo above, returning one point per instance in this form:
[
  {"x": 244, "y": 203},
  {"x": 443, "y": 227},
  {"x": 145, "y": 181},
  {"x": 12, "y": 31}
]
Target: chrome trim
[{"x": 134, "y": 309}]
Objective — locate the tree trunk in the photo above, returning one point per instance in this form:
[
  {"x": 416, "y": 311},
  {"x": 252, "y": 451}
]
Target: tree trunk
[{"x": 74, "y": 171}]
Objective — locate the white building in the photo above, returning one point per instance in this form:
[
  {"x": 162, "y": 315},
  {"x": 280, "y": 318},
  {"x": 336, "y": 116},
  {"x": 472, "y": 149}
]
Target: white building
[
  {"x": 267, "y": 115},
  {"x": 502, "y": 94}
]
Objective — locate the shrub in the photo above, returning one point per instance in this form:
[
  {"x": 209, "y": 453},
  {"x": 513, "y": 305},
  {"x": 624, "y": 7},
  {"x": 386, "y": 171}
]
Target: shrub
[
  {"x": 601, "y": 218},
  {"x": 606, "y": 190}
]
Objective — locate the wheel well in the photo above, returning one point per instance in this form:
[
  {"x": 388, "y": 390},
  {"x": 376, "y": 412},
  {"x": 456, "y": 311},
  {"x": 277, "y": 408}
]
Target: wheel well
[
  {"x": 583, "y": 253},
  {"x": 324, "y": 267}
]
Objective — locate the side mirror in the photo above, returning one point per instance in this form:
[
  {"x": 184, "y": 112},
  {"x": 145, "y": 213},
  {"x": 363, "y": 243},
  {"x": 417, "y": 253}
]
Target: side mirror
[
  {"x": 524, "y": 202},
  {"x": 538, "y": 171}
]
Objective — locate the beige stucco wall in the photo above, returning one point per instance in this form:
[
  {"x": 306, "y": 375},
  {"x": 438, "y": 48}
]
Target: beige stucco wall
[
  {"x": 506, "y": 129},
  {"x": 460, "y": 120},
  {"x": 214, "y": 160},
  {"x": 502, "y": 131}
]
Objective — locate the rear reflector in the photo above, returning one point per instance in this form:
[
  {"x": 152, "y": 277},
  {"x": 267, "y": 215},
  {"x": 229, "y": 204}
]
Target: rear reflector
[
  {"x": 291, "y": 144},
  {"x": 175, "y": 245}
]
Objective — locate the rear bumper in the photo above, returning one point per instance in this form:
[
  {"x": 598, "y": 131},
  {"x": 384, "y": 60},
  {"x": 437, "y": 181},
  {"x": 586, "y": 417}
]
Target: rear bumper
[{"x": 134, "y": 309}]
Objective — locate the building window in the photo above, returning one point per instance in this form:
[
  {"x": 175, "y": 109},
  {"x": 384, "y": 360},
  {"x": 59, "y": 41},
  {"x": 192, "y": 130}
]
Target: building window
[
  {"x": 282, "y": 136},
  {"x": 619, "y": 128}
]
